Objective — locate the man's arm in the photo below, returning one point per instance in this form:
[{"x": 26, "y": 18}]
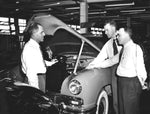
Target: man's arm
[
  {"x": 140, "y": 66},
  {"x": 50, "y": 63},
  {"x": 110, "y": 62},
  {"x": 100, "y": 57}
]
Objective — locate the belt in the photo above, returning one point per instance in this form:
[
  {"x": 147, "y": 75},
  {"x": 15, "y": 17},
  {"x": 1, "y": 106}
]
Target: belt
[{"x": 41, "y": 74}]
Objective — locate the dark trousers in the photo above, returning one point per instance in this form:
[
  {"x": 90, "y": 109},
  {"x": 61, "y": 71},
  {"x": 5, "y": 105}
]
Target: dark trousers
[
  {"x": 114, "y": 90},
  {"x": 129, "y": 91}
]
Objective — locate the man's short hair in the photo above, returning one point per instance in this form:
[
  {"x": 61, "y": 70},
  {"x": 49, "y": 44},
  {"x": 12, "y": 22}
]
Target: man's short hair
[
  {"x": 111, "y": 22},
  {"x": 32, "y": 27},
  {"x": 128, "y": 30}
]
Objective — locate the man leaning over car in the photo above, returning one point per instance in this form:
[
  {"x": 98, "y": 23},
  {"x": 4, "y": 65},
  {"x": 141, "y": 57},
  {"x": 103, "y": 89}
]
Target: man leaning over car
[{"x": 110, "y": 49}]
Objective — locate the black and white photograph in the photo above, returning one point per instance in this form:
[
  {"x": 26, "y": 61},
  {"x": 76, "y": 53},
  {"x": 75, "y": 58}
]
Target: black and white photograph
[{"x": 74, "y": 57}]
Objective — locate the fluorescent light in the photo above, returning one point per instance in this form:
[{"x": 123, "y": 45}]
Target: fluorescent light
[
  {"x": 93, "y": 1},
  {"x": 40, "y": 10},
  {"x": 138, "y": 10},
  {"x": 97, "y": 12},
  {"x": 53, "y": 4},
  {"x": 73, "y": 8},
  {"x": 123, "y": 4}
]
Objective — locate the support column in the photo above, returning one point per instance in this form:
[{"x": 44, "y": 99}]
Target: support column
[
  {"x": 83, "y": 16},
  {"x": 148, "y": 30},
  {"x": 16, "y": 24},
  {"x": 128, "y": 22}
]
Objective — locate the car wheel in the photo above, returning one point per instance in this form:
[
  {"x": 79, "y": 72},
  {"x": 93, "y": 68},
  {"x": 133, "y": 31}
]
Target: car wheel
[{"x": 102, "y": 103}]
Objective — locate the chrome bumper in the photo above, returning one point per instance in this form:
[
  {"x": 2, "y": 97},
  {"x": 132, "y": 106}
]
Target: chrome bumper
[{"x": 69, "y": 104}]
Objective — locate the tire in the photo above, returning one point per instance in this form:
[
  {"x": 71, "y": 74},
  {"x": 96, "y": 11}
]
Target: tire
[{"x": 102, "y": 103}]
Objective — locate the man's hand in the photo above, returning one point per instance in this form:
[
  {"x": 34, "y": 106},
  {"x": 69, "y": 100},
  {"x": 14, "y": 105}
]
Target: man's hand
[
  {"x": 53, "y": 61},
  {"x": 91, "y": 66},
  {"x": 50, "y": 63}
]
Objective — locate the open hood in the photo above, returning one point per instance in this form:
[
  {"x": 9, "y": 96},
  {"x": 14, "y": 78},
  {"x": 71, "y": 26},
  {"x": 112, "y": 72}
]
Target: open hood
[{"x": 52, "y": 24}]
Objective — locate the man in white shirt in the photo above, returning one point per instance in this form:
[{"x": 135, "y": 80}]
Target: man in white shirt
[
  {"x": 32, "y": 59},
  {"x": 131, "y": 74},
  {"x": 103, "y": 60}
]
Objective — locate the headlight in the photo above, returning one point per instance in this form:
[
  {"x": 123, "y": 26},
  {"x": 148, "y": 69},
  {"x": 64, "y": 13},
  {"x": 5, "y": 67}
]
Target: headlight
[{"x": 75, "y": 87}]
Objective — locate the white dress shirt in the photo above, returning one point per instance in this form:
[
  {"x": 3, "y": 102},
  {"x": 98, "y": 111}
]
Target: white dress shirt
[
  {"x": 103, "y": 60},
  {"x": 32, "y": 62},
  {"x": 132, "y": 62}
]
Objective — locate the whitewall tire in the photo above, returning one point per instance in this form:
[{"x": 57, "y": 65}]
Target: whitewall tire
[{"x": 102, "y": 103}]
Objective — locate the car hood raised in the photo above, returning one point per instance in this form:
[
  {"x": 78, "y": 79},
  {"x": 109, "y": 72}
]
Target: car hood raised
[{"x": 51, "y": 24}]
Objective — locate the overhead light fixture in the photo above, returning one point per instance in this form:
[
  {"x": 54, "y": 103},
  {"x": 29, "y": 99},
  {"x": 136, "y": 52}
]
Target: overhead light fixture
[
  {"x": 93, "y": 1},
  {"x": 17, "y": 2},
  {"x": 72, "y": 8},
  {"x": 97, "y": 12},
  {"x": 123, "y": 4},
  {"x": 53, "y": 4},
  {"x": 138, "y": 10},
  {"x": 17, "y": 9},
  {"x": 40, "y": 10}
]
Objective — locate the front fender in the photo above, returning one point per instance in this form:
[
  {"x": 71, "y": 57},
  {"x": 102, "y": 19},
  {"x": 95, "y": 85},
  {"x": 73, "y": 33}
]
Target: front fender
[{"x": 92, "y": 82}]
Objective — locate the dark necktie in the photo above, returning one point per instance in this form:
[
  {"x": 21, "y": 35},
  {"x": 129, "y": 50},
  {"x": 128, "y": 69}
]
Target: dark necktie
[{"x": 115, "y": 47}]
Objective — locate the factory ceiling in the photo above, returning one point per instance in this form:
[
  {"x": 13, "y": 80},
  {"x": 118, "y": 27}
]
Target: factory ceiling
[{"x": 69, "y": 10}]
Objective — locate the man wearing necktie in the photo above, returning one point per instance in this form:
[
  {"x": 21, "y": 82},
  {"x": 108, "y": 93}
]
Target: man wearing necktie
[
  {"x": 115, "y": 47},
  {"x": 131, "y": 74},
  {"x": 103, "y": 60}
]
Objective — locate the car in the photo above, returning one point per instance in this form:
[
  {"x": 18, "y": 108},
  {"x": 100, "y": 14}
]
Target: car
[
  {"x": 20, "y": 98},
  {"x": 80, "y": 90}
]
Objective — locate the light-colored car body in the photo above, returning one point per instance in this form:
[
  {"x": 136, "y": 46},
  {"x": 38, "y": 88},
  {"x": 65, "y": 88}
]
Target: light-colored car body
[{"x": 94, "y": 83}]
